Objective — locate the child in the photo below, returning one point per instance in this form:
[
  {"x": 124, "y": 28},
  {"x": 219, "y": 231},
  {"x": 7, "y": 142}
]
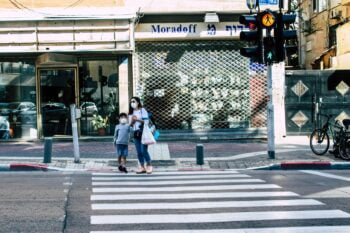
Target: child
[{"x": 121, "y": 140}]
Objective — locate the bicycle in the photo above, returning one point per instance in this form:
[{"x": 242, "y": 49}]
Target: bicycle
[
  {"x": 344, "y": 147},
  {"x": 319, "y": 139}
]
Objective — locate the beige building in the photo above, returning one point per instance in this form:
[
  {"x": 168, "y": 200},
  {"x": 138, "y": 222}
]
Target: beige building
[{"x": 324, "y": 33}]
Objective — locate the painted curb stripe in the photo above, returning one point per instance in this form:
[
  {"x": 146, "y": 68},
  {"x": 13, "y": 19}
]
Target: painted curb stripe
[
  {"x": 191, "y": 195},
  {"x": 218, "y": 217},
  {"x": 185, "y": 188},
  {"x": 205, "y": 205}
]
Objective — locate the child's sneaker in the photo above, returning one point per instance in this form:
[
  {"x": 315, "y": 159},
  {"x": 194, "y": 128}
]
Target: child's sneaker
[{"x": 125, "y": 170}]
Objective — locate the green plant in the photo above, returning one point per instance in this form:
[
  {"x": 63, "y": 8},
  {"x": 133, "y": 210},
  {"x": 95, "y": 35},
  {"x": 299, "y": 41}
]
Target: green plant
[{"x": 98, "y": 122}]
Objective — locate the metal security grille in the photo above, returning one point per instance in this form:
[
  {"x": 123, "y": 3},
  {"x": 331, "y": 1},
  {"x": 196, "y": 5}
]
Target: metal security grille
[{"x": 200, "y": 85}]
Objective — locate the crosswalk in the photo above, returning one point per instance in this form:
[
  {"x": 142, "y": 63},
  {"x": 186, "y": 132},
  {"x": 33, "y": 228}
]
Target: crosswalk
[{"x": 204, "y": 202}]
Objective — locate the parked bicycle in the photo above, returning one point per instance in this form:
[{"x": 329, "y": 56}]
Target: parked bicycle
[{"x": 319, "y": 139}]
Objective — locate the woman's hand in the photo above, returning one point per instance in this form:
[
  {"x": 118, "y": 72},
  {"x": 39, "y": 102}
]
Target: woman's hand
[{"x": 133, "y": 119}]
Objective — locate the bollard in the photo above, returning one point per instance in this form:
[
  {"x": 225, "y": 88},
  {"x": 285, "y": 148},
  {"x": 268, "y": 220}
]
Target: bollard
[
  {"x": 200, "y": 154},
  {"x": 47, "y": 150}
]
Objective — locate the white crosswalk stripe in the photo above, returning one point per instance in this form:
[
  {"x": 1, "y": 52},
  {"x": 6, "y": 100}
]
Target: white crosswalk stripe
[
  {"x": 204, "y": 205},
  {"x": 315, "y": 229},
  {"x": 166, "y": 199},
  {"x": 217, "y": 181},
  {"x": 190, "y": 195},
  {"x": 152, "y": 178}
]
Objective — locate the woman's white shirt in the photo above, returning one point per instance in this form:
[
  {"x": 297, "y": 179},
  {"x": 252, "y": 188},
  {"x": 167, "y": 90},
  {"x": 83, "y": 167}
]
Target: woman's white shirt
[{"x": 140, "y": 114}]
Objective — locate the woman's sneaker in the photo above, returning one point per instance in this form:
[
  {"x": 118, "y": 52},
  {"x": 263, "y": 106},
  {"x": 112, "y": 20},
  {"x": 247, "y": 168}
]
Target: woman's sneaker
[
  {"x": 120, "y": 168},
  {"x": 149, "y": 169},
  {"x": 141, "y": 171}
]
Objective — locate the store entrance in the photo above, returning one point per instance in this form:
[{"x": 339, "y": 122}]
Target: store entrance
[{"x": 57, "y": 92}]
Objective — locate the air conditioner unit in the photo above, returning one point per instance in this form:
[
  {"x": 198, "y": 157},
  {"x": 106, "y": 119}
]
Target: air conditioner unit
[
  {"x": 335, "y": 14},
  {"x": 333, "y": 62}
]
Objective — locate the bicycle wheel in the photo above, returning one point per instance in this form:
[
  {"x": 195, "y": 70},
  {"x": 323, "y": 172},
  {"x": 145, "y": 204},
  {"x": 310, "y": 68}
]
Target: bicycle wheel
[
  {"x": 319, "y": 141},
  {"x": 344, "y": 150}
]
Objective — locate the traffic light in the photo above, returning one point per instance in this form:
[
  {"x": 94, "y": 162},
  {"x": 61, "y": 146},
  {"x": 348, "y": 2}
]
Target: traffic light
[
  {"x": 285, "y": 37},
  {"x": 253, "y": 37},
  {"x": 267, "y": 20}
]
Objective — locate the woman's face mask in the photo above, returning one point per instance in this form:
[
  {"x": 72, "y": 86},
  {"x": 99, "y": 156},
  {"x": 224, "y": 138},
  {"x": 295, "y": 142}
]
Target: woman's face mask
[
  {"x": 123, "y": 120},
  {"x": 134, "y": 104}
]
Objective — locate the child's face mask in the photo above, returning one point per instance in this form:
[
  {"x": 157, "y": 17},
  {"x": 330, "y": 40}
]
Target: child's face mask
[{"x": 123, "y": 120}]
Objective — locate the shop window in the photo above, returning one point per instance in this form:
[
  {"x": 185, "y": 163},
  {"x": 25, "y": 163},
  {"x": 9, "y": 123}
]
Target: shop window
[
  {"x": 17, "y": 100},
  {"x": 200, "y": 85},
  {"x": 98, "y": 83}
]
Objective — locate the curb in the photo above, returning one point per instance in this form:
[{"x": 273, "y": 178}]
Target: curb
[
  {"x": 26, "y": 167},
  {"x": 315, "y": 165}
]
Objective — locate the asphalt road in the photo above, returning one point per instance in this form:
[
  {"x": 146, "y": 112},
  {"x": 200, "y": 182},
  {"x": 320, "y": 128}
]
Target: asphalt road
[{"x": 83, "y": 202}]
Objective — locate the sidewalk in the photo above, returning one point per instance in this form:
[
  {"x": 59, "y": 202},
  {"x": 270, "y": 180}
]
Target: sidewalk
[{"x": 97, "y": 155}]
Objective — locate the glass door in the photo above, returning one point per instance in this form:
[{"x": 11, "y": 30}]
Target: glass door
[{"x": 57, "y": 92}]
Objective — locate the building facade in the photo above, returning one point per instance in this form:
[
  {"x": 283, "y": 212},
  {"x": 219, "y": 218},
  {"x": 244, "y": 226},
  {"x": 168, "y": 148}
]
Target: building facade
[
  {"x": 181, "y": 57},
  {"x": 324, "y": 31}
]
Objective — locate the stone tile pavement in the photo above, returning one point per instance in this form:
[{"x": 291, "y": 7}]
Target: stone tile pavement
[{"x": 100, "y": 155}]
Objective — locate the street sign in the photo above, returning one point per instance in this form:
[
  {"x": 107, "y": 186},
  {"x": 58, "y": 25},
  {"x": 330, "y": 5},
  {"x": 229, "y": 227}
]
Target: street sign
[{"x": 251, "y": 4}]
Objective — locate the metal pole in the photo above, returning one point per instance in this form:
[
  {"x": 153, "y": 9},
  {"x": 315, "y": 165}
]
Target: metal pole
[
  {"x": 47, "y": 149},
  {"x": 270, "y": 116},
  {"x": 75, "y": 134},
  {"x": 200, "y": 154}
]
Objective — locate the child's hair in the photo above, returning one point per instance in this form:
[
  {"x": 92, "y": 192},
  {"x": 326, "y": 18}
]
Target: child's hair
[{"x": 123, "y": 114}]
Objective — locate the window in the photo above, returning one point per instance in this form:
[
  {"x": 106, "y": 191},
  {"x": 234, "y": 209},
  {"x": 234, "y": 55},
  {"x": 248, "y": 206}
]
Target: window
[
  {"x": 332, "y": 35},
  {"x": 99, "y": 94},
  {"x": 17, "y": 100},
  {"x": 319, "y": 5}
]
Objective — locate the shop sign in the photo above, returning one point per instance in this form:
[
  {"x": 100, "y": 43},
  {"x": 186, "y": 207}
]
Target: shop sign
[{"x": 188, "y": 30}]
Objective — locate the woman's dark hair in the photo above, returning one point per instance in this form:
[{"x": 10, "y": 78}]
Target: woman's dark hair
[{"x": 131, "y": 110}]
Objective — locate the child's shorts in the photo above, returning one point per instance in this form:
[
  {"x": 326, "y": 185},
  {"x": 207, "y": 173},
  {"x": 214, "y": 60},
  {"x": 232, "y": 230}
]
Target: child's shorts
[{"x": 122, "y": 150}]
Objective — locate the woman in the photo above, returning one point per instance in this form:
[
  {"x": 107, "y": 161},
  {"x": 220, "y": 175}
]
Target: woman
[{"x": 137, "y": 117}]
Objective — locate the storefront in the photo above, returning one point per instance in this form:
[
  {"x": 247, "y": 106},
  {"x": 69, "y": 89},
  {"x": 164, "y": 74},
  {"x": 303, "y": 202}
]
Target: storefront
[
  {"x": 48, "y": 64},
  {"x": 193, "y": 78}
]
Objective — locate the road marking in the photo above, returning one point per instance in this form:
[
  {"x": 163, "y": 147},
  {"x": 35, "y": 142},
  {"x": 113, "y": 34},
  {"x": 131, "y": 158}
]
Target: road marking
[
  {"x": 343, "y": 192},
  {"x": 204, "y": 205},
  {"x": 328, "y": 175},
  {"x": 173, "y": 182},
  {"x": 170, "y": 173},
  {"x": 218, "y": 217},
  {"x": 151, "y": 178},
  {"x": 191, "y": 195},
  {"x": 312, "y": 229},
  {"x": 184, "y": 188}
]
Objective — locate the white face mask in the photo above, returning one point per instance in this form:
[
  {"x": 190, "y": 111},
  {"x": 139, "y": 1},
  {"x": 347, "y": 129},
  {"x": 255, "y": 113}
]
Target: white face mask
[
  {"x": 134, "y": 105},
  {"x": 123, "y": 120}
]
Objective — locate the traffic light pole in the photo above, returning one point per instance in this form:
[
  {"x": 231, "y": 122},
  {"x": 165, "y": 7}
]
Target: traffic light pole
[{"x": 270, "y": 116}]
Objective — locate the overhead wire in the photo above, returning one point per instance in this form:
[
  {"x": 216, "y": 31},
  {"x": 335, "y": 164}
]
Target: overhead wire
[{"x": 74, "y": 4}]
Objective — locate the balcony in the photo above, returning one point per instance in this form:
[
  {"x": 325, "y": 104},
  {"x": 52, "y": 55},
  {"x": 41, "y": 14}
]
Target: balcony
[{"x": 345, "y": 2}]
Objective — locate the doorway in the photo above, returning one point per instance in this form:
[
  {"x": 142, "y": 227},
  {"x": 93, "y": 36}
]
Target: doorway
[{"x": 57, "y": 90}]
